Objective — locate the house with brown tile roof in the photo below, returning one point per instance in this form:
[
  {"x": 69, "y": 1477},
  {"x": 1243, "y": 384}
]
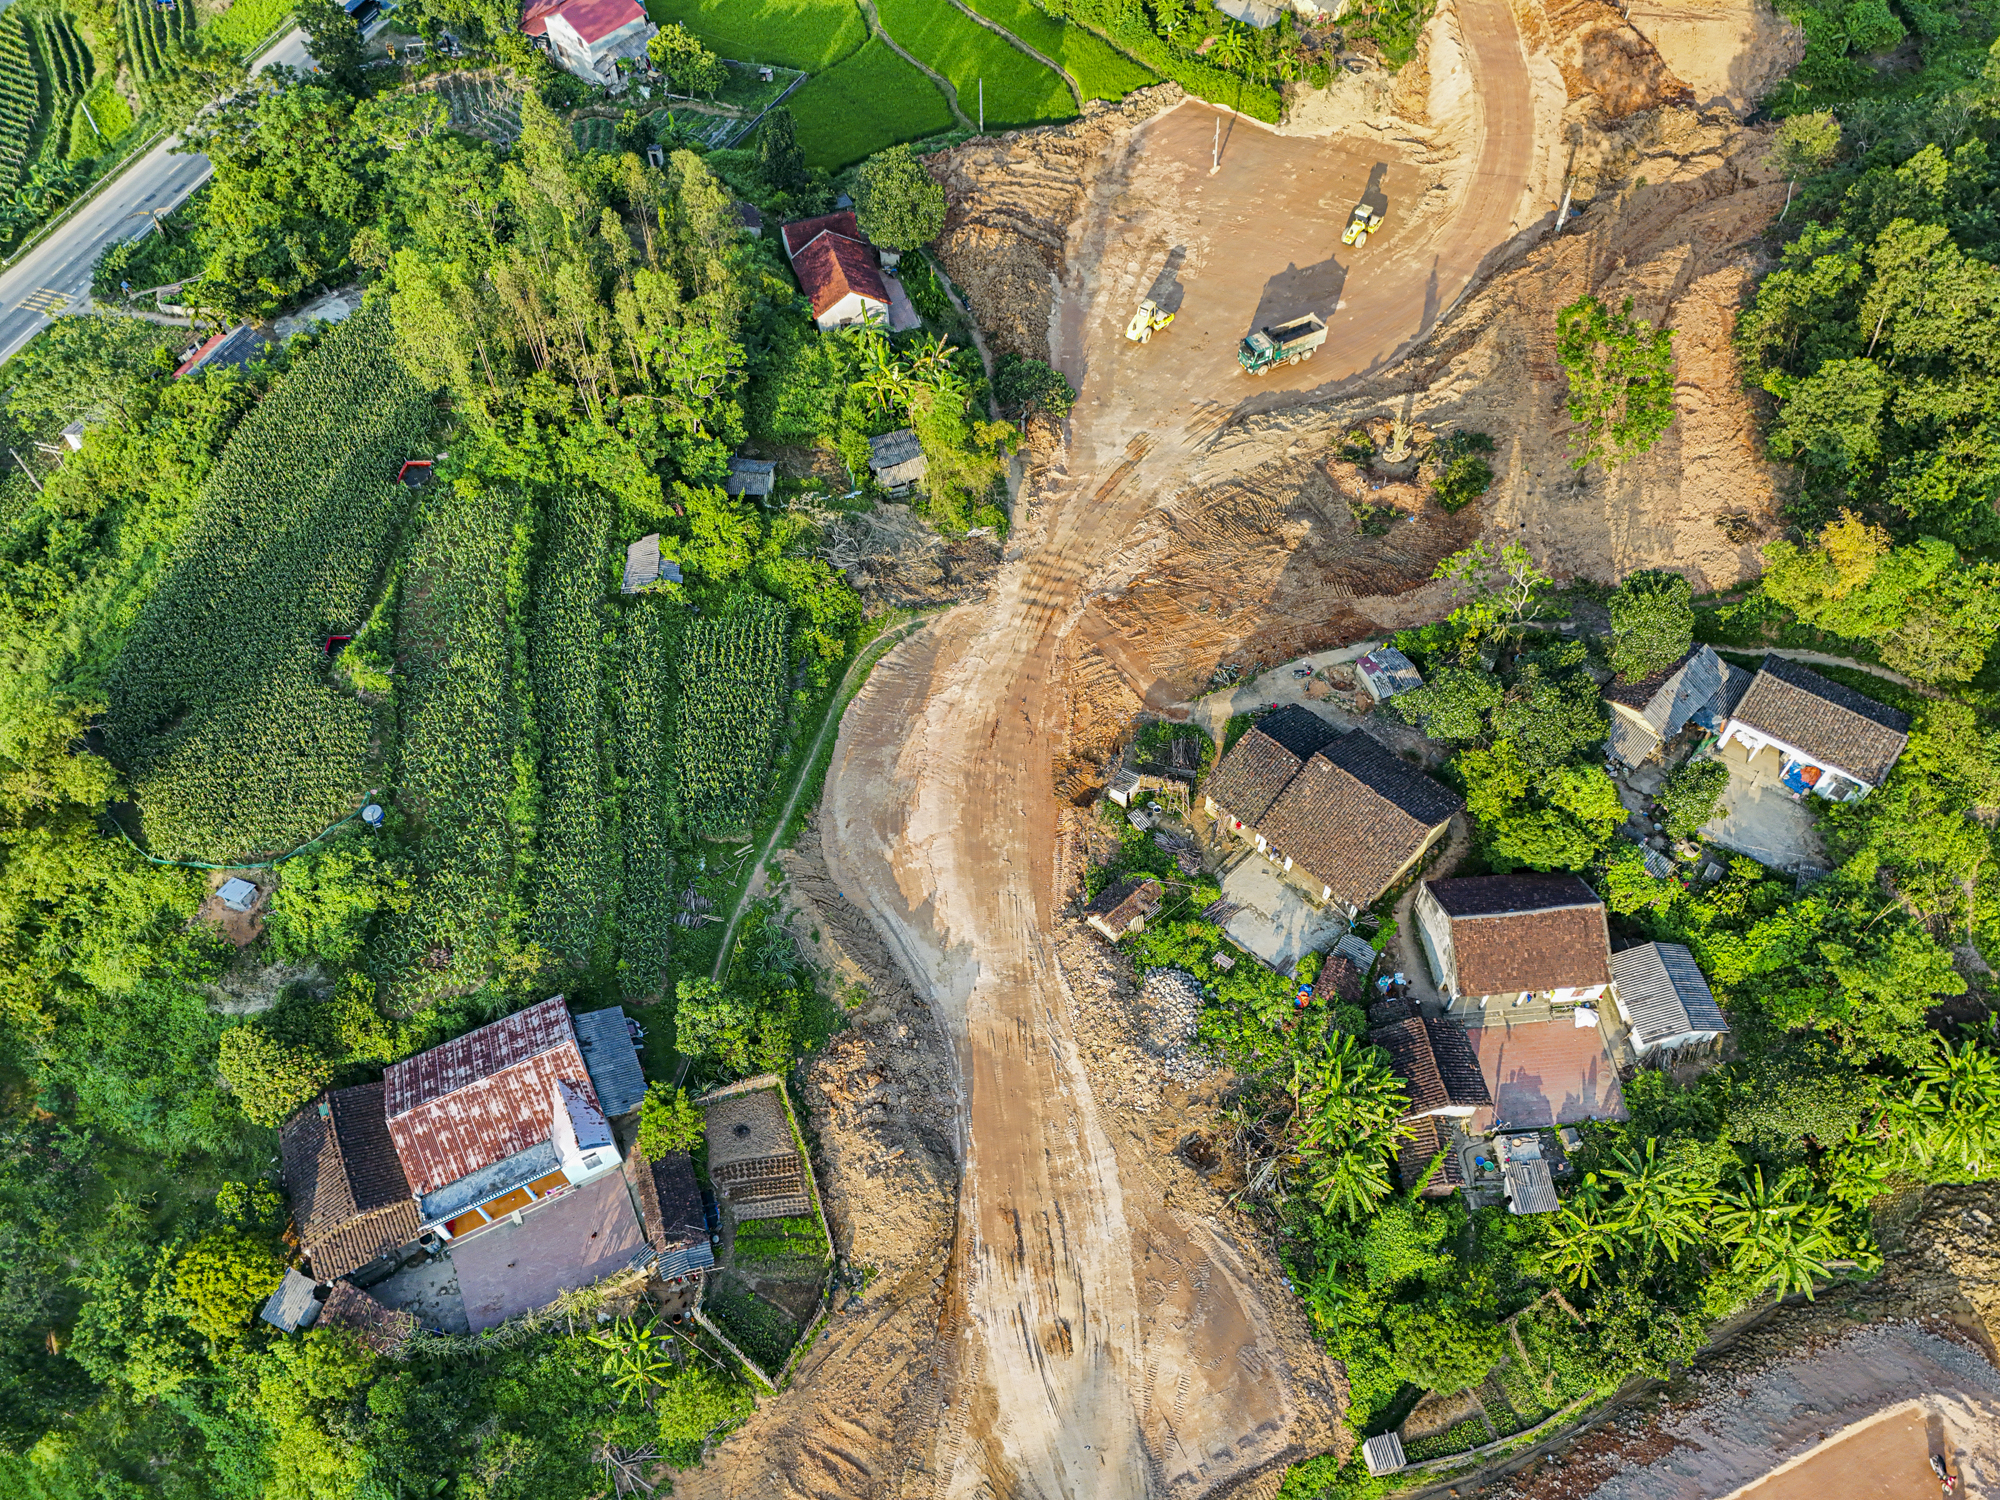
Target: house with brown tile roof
[
  {"x": 670, "y": 1209},
  {"x": 1439, "y": 1070},
  {"x": 1354, "y": 821},
  {"x": 1247, "y": 780},
  {"x": 1340, "y": 814},
  {"x": 1831, "y": 740},
  {"x": 1428, "y": 1137},
  {"x": 351, "y": 1203},
  {"x": 383, "y": 1329},
  {"x": 1122, "y": 907},
  {"x": 1498, "y": 941},
  {"x": 838, "y": 270}
]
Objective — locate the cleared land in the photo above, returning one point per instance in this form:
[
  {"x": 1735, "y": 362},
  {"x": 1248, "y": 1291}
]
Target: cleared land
[
  {"x": 872, "y": 100},
  {"x": 1019, "y": 90},
  {"x": 1100, "y": 69},
  {"x": 808, "y": 34}
]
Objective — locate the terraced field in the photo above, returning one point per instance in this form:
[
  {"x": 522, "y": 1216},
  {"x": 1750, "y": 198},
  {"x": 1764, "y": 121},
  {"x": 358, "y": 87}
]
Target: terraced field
[
  {"x": 872, "y": 100},
  {"x": 1019, "y": 90}
]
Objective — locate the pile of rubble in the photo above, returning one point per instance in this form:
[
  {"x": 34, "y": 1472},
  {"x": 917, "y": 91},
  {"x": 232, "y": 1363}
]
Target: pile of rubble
[{"x": 1172, "y": 1008}]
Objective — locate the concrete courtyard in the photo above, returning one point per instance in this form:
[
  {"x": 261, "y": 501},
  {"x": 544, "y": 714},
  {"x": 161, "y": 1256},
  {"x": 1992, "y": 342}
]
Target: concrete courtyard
[{"x": 1758, "y": 817}]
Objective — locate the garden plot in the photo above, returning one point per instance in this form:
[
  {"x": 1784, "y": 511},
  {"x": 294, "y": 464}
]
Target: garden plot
[{"x": 481, "y": 104}]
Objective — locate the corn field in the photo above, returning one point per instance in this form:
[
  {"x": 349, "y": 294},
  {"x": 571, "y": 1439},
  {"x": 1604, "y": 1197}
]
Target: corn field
[
  {"x": 565, "y": 641},
  {"x": 222, "y": 708},
  {"x": 645, "y": 765},
  {"x": 145, "y": 32},
  {"x": 732, "y": 673},
  {"x": 20, "y": 100},
  {"x": 458, "y": 726}
]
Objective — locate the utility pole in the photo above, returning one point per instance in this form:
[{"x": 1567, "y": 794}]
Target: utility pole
[
  {"x": 28, "y": 471},
  {"x": 1215, "y": 155},
  {"x": 982, "y": 106}
]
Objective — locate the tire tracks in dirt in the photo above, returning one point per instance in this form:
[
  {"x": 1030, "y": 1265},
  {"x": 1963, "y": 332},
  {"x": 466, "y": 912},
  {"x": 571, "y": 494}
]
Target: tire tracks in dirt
[{"x": 1121, "y": 1347}]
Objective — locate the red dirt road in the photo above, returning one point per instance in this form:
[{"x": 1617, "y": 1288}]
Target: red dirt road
[{"x": 1114, "y": 1345}]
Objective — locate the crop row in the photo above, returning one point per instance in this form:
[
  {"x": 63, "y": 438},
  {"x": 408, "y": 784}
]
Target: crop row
[
  {"x": 565, "y": 641},
  {"x": 645, "y": 762},
  {"x": 62, "y": 73},
  {"x": 732, "y": 672},
  {"x": 20, "y": 99},
  {"x": 222, "y": 710},
  {"x": 144, "y": 30},
  {"x": 453, "y": 692}
]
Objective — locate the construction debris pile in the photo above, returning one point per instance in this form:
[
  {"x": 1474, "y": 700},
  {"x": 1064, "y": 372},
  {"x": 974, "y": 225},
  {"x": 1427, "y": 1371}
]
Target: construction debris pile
[{"x": 1172, "y": 1007}]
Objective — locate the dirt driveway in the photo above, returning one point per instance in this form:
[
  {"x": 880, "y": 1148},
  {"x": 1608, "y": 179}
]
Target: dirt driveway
[{"x": 1114, "y": 1345}]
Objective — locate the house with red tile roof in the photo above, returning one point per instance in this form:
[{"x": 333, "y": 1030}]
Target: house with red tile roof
[
  {"x": 590, "y": 37},
  {"x": 838, "y": 270}
]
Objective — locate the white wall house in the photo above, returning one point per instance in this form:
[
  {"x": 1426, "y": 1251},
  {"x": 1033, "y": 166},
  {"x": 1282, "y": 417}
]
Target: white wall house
[
  {"x": 590, "y": 37},
  {"x": 1498, "y": 941},
  {"x": 1831, "y": 740}
]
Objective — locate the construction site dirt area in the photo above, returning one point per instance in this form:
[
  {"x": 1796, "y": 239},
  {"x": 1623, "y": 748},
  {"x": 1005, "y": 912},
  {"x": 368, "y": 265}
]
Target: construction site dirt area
[{"x": 1885, "y": 1458}]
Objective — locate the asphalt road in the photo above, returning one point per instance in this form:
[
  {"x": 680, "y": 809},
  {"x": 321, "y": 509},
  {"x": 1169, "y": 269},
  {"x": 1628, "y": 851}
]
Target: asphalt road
[{"x": 54, "y": 277}]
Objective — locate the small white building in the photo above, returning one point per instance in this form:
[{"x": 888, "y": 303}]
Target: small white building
[
  {"x": 1385, "y": 672},
  {"x": 1831, "y": 740},
  {"x": 237, "y": 894},
  {"x": 1665, "y": 1000},
  {"x": 838, "y": 270}
]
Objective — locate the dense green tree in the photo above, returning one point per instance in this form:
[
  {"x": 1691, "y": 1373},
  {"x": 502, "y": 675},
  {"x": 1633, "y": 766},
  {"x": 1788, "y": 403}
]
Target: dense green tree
[
  {"x": 689, "y": 66},
  {"x": 221, "y": 1279},
  {"x": 1452, "y": 704},
  {"x": 1652, "y": 624},
  {"x": 779, "y": 156},
  {"x": 333, "y": 40},
  {"x": 897, "y": 202},
  {"x": 1690, "y": 795},
  {"x": 269, "y": 1078},
  {"x": 669, "y": 1121}
]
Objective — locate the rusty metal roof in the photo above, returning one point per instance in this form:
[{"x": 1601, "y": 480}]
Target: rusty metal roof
[{"x": 482, "y": 1097}]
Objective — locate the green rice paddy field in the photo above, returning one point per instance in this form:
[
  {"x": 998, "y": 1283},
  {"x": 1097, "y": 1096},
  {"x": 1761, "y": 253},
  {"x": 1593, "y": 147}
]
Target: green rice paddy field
[
  {"x": 861, "y": 105},
  {"x": 1100, "y": 69},
  {"x": 862, "y": 97},
  {"x": 1019, "y": 90},
  {"x": 808, "y": 34}
]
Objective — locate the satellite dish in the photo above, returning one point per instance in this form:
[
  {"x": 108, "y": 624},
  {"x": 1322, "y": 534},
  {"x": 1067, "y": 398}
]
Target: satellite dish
[{"x": 372, "y": 815}]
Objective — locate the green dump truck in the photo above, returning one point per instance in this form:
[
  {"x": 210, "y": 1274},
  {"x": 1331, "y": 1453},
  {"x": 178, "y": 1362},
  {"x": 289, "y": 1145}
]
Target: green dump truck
[{"x": 1286, "y": 344}]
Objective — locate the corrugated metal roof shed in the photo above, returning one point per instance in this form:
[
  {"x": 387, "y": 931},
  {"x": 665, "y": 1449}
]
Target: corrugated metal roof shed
[
  {"x": 644, "y": 565},
  {"x": 292, "y": 1306},
  {"x": 1383, "y": 1454},
  {"x": 1663, "y": 994},
  {"x": 897, "y": 457},
  {"x": 1530, "y": 1189},
  {"x": 751, "y": 476},
  {"x": 606, "y": 1042}
]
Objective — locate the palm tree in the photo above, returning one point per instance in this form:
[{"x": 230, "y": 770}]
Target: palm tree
[
  {"x": 1230, "y": 48},
  {"x": 1953, "y": 1115},
  {"x": 1580, "y": 1234},
  {"x": 1780, "y": 1235},
  {"x": 1661, "y": 1204},
  {"x": 638, "y": 1359}
]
